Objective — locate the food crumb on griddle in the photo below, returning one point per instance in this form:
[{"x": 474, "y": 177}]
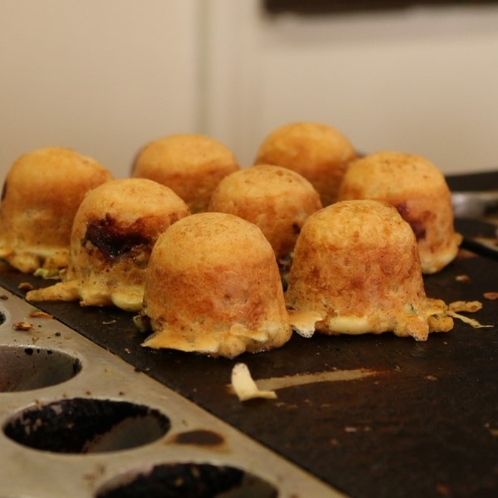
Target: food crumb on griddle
[
  {"x": 244, "y": 386},
  {"x": 492, "y": 430},
  {"x": 39, "y": 314},
  {"x": 23, "y": 326},
  {"x": 465, "y": 306},
  {"x": 492, "y": 296},
  {"x": 442, "y": 489},
  {"x": 25, "y": 286},
  {"x": 456, "y": 307}
]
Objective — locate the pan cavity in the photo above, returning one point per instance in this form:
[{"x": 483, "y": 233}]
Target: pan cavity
[
  {"x": 86, "y": 425},
  {"x": 188, "y": 480},
  {"x": 28, "y": 368}
]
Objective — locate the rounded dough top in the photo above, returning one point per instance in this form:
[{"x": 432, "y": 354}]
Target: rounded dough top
[
  {"x": 213, "y": 287},
  {"x": 276, "y": 199},
  {"x": 41, "y": 194},
  {"x": 191, "y": 165},
  {"x": 418, "y": 190},
  {"x": 113, "y": 234},
  {"x": 319, "y": 152},
  {"x": 356, "y": 266}
]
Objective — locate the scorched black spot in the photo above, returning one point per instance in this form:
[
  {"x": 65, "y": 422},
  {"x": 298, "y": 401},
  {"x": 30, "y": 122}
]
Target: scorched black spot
[{"x": 114, "y": 240}]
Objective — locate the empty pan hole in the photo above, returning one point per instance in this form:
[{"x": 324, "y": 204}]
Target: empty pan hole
[
  {"x": 82, "y": 425},
  {"x": 189, "y": 480},
  {"x": 26, "y": 368}
]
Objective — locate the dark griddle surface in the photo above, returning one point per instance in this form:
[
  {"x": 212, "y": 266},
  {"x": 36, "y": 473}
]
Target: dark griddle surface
[{"x": 426, "y": 424}]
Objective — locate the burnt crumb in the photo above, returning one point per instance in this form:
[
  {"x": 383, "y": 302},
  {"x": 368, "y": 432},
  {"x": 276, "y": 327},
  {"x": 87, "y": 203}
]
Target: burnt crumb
[
  {"x": 22, "y": 326},
  {"x": 58, "y": 334},
  {"x": 4, "y": 297},
  {"x": 25, "y": 286},
  {"x": 114, "y": 240}
]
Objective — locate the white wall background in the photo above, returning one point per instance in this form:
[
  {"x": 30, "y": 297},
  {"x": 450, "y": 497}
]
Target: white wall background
[
  {"x": 422, "y": 80},
  {"x": 100, "y": 76},
  {"x": 106, "y": 76}
]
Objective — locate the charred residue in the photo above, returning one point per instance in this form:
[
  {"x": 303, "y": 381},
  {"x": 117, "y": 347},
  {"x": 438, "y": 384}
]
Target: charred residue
[
  {"x": 180, "y": 481},
  {"x": 115, "y": 240},
  {"x": 80, "y": 425},
  {"x": 199, "y": 437}
]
